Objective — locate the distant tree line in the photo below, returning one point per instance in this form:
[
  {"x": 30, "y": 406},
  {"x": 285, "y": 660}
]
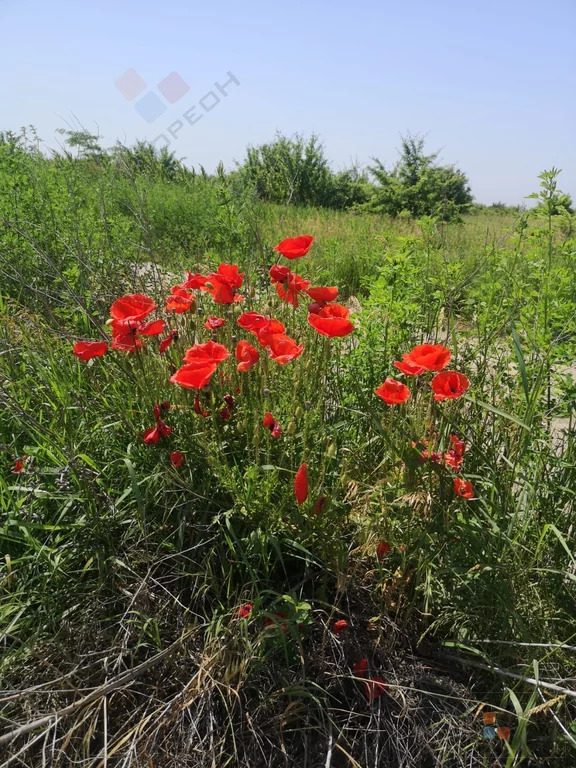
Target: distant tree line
[{"x": 295, "y": 171}]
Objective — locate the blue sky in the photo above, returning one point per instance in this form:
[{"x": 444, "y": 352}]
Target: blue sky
[{"x": 490, "y": 84}]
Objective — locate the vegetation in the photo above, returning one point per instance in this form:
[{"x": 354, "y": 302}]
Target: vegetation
[{"x": 297, "y": 564}]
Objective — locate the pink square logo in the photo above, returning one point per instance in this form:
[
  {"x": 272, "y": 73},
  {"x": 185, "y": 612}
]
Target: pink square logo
[
  {"x": 130, "y": 84},
  {"x": 173, "y": 87}
]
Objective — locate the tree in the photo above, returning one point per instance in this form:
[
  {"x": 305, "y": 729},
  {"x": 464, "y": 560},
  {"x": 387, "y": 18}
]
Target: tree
[{"x": 419, "y": 185}]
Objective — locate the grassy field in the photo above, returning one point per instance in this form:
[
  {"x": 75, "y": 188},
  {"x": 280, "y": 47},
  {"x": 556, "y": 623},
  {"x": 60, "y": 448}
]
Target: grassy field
[{"x": 175, "y": 603}]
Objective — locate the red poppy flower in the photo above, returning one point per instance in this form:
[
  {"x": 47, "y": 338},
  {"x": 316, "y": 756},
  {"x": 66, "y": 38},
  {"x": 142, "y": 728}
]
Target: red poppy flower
[
  {"x": 270, "y": 423},
  {"x": 225, "y": 414},
  {"x": 19, "y": 465},
  {"x": 155, "y": 328},
  {"x": 409, "y": 368},
  {"x": 323, "y": 295},
  {"x": 339, "y": 626},
  {"x": 332, "y": 320},
  {"x": 433, "y": 456},
  {"x": 290, "y": 290},
  {"x": 463, "y": 488},
  {"x": 193, "y": 282},
  {"x": 194, "y": 375},
  {"x": 430, "y": 357},
  {"x": 154, "y": 434},
  {"x": 252, "y": 321},
  {"x": 247, "y": 356},
  {"x": 198, "y": 408},
  {"x": 244, "y": 611},
  {"x": 374, "y": 687},
  {"x": 214, "y": 322},
  {"x": 222, "y": 284},
  {"x": 382, "y": 550},
  {"x": 295, "y": 247},
  {"x": 86, "y": 350},
  {"x": 179, "y": 301},
  {"x": 319, "y": 506},
  {"x": 301, "y": 484},
  {"x": 449, "y": 385},
  {"x": 134, "y": 306},
  {"x": 210, "y": 351},
  {"x": 176, "y": 458},
  {"x": 360, "y": 667},
  {"x": 282, "y": 349},
  {"x": 167, "y": 340},
  {"x": 272, "y": 328},
  {"x": 279, "y": 274},
  {"x": 127, "y": 342},
  {"x": 393, "y": 392}
]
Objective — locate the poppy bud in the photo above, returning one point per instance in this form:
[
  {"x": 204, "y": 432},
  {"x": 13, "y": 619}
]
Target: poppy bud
[
  {"x": 265, "y": 391},
  {"x": 291, "y": 428},
  {"x": 229, "y": 400},
  {"x": 331, "y": 451},
  {"x": 307, "y": 405},
  {"x": 298, "y": 413},
  {"x": 241, "y": 427}
]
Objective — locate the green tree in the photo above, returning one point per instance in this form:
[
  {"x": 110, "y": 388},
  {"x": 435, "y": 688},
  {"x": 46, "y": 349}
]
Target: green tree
[{"x": 419, "y": 185}]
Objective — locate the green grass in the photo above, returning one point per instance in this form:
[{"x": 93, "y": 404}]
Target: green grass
[{"x": 115, "y": 563}]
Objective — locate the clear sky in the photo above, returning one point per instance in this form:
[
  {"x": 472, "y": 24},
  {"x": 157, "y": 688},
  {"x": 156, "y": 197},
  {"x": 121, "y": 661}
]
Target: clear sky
[{"x": 491, "y": 84}]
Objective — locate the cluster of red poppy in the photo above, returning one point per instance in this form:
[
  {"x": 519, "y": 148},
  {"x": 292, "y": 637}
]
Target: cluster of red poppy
[{"x": 447, "y": 385}]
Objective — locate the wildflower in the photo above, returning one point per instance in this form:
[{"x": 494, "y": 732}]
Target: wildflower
[
  {"x": 230, "y": 402},
  {"x": 339, "y": 626},
  {"x": 244, "y": 611},
  {"x": 193, "y": 282},
  {"x": 409, "y": 368},
  {"x": 86, "y": 350},
  {"x": 179, "y": 301},
  {"x": 331, "y": 320},
  {"x": 154, "y": 434},
  {"x": 323, "y": 295},
  {"x": 295, "y": 247},
  {"x": 126, "y": 342},
  {"x": 167, "y": 340},
  {"x": 194, "y": 375},
  {"x": 176, "y": 458},
  {"x": 222, "y": 284},
  {"x": 289, "y": 290},
  {"x": 301, "y": 484},
  {"x": 382, "y": 550},
  {"x": 209, "y": 352},
  {"x": 393, "y": 392},
  {"x": 225, "y": 414},
  {"x": 279, "y": 274},
  {"x": 463, "y": 488},
  {"x": 214, "y": 322},
  {"x": 247, "y": 356},
  {"x": 270, "y": 423},
  {"x": 373, "y": 688},
  {"x": 134, "y": 306},
  {"x": 454, "y": 457},
  {"x": 428, "y": 357},
  {"x": 282, "y": 349},
  {"x": 198, "y": 408},
  {"x": 19, "y": 465},
  {"x": 449, "y": 385},
  {"x": 272, "y": 328},
  {"x": 360, "y": 667}
]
